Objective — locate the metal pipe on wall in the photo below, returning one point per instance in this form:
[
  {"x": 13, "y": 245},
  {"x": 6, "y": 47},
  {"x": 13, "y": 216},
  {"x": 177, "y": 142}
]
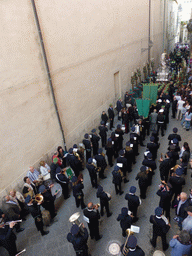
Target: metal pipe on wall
[
  {"x": 47, "y": 69},
  {"x": 149, "y": 39}
]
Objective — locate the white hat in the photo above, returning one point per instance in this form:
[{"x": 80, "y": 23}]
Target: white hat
[
  {"x": 167, "y": 101},
  {"x": 158, "y": 253},
  {"x": 161, "y": 110},
  {"x": 159, "y": 100}
]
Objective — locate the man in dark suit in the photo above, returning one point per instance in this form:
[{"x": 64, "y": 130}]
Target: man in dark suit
[
  {"x": 48, "y": 202},
  {"x": 125, "y": 220},
  {"x": 149, "y": 162},
  {"x": 174, "y": 135},
  {"x": 133, "y": 202},
  {"x": 8, "y": 238},
  {"x": 117, "y": 179},
  {"x": 135, "y": 137},
  {"x": 111, "y": 115},
  {"x": 103, "y": 133},
  {"x": 92, "y": 217},
  {"x": 119, "y": 107},
  {"x": 153, "y": 147},
  {"x": 143, "y": 181},
  {"x": 161, "y": 122},
  {"x": 160, "y": 228},
  {"x": 79, "y": 240},
  {"x": 92, "y": 172},
  {"x": 34, "y": 209},
  {"x": 87, "y": 145},
  {"x": 123, "y": 162},
  {"x": 101, "y": 162},
  {"x": 73, "y": 162},
  {"x": 95, "y": 141},
  {"x": 104, "y": 200},
  {"x": 133, "y": 248},
  {"x": 165, "y": 166},
  {"x": 182, "y": 203},
  {"x": 177, "y": 182},
  {"x": 164, "y": 193}
]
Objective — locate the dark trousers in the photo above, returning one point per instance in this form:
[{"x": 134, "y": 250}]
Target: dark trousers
[
  {"x": 51, "y": 208},
  {"x": 39, "y": 224},
  {"x": 118, "y": 188},
  {"x": 160, "y": 126},
  {"x": 103, "y": 141},
  {"x": 65, "y": 190},
  {"x": 110, "y": 160},
  {"x": 95, "y": 150},
  {"x": 164, "y": 176},
  {"x": 163, "y": 238},
  {"x": 79, "y": 201},
  {"x": 167, "y": 212},
  {"x": 111, "y": 123},
  {"x": 106, "y": 205},
  {"x": 94, "y": 231},
  {"x": 101, "y": 173},
  {"x": 143, "y": 190},
  {"x": 93, "y": 180},
  {"x": 88, "y": 154}
]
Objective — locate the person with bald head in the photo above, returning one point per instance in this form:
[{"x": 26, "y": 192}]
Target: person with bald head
[
  {"x": 92, "y": 216},
  {"x": 181, "y": 213},
  {"x": 12, "y": 211}
]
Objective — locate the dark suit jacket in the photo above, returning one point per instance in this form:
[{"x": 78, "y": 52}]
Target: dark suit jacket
[
  {"x": 182, "y": 213},
  {"x": 159, "y": 226},
  {"x": 111, "y": 113},
  {"x": 133, "y": 202}
]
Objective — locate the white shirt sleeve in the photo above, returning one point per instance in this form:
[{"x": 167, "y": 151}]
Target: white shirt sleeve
[{"x": 43, "y": 170}]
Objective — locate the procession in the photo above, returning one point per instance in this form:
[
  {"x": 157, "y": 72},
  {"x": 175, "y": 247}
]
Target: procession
[{"x": 132, "y": 168}]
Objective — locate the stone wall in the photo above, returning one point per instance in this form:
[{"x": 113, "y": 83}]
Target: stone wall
[{"x": 87, "y": 43}]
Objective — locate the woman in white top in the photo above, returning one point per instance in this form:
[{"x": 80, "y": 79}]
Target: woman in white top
[{"x": 44, "y": 169}]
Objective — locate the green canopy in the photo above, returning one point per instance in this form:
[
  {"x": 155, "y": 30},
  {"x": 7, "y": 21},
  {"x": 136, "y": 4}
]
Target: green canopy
[
  {"x": 150, "y": 92},
  {"x": 143, "y": 106}
]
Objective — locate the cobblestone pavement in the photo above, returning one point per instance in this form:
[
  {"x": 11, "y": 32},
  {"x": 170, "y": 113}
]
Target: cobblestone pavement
[{"x": 55, "y": 243}]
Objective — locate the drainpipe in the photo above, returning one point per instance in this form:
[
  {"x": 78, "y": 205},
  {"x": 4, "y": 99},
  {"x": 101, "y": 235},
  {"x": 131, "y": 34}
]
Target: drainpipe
[
  {"x": 164, "y": 26},
  {"x": 47, "y": 69},
  {"x": 149, "y": 40}
]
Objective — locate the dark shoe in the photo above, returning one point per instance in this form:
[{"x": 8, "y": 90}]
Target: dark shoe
[
  {"x": 44, "y": 233},
  {"x": 120, "y": 193},
  {"x": 20, "y": 230},
  {"x": 104, "y": 177},
  {"x": 125, "y": 180},
  {"x": 167, "y": 246},
  {"x": 152, "y": 243},
  {"x": 66, "y": 197},
  {"x": 143, "y": 145},
  {"x": 109, "y": 215},
  {"x": 98, "y": 238}
]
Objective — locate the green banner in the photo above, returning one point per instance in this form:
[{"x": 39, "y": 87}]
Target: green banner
[
  {"x": 150, "y": 92},
  {"x": 143, "y": 106}
]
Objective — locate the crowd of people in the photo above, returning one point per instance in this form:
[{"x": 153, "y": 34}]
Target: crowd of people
[{"x": 66, "y": 169}]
